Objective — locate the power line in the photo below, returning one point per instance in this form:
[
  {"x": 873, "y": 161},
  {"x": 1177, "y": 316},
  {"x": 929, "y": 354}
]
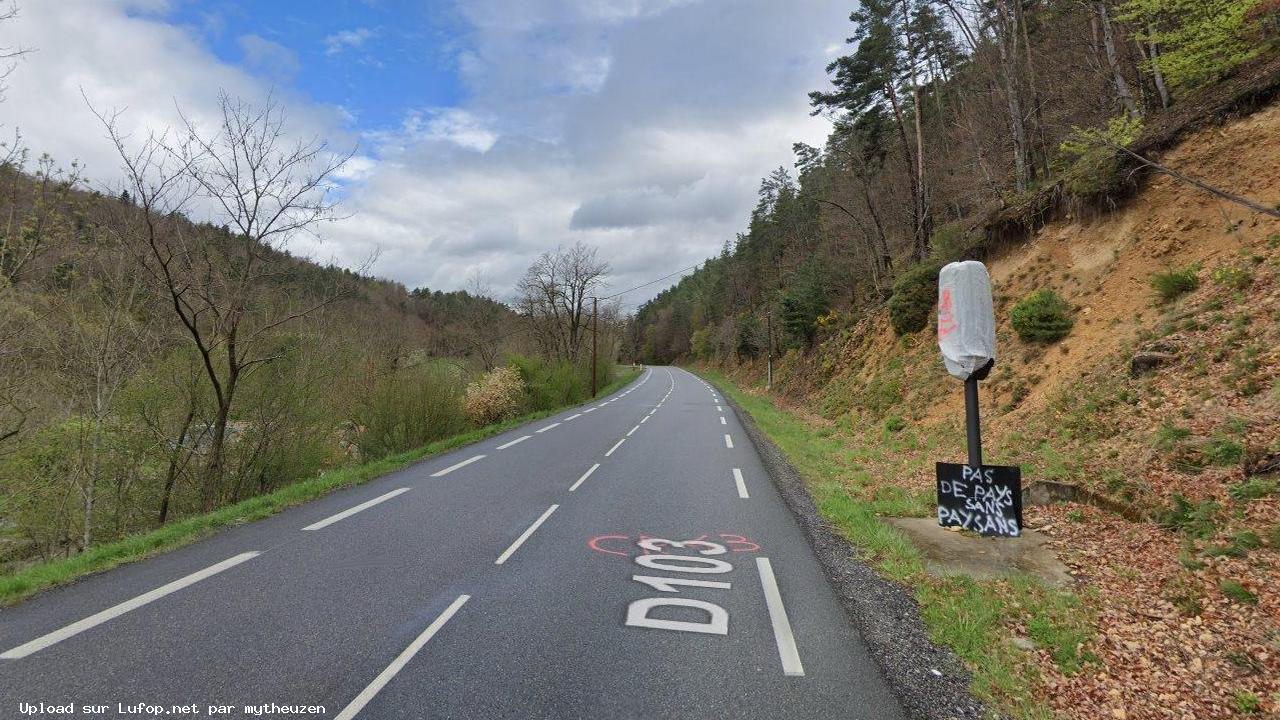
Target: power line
[{"x": 652, "y": 282}]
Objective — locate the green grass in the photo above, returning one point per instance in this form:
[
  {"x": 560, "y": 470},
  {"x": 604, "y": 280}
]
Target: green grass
[
  {"x": 972, "y": 617},
  {"x": 23, "y": 583}
]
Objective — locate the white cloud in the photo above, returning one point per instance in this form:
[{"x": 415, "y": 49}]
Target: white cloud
[
  {"x": 641, "y": 126},
  {"x": 270, "y": 59},
  {"x": 347, "y": 40}
]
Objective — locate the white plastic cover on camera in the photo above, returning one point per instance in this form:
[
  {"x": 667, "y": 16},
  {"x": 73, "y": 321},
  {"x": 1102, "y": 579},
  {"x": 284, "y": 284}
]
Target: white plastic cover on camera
[{"x": 966, "y": 318}]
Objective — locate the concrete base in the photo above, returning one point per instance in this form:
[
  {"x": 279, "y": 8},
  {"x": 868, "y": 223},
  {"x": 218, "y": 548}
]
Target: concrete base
[{"x": 960, "y": 553}]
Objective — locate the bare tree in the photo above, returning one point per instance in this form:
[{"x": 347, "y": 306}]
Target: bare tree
[
  {"x": 553, "y": 296},
  {"x": 261, "y": 188}
]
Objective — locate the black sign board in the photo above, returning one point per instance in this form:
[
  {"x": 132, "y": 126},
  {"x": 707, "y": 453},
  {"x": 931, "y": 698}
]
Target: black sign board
[{"x": 986, "y": 499}]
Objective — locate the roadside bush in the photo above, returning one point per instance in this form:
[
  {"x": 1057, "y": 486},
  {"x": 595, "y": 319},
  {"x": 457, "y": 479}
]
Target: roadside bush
[
  {"x": 495, "y": 396},
  {"x": 410, "y": 408},
  {"x": 553, "y": 384},
  {"x": 1042, "y": 317},
  {"x": 1173, "y": 284},
  {"x": 915, "y": 295}
]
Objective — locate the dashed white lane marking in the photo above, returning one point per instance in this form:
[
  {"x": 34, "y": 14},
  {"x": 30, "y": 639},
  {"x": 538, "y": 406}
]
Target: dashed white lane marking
[
  {"x": 573, "y": 417},
  {"x": 722, "y": 422},
  {"x": 515, "y": 442},
  {"x": 787, "y": 651},
  {"x": 742, "y": 484},
  {"x": 644, "y": 419},
  {"x": 506, "y": 554},
  {"x": 633, "y": 431},
  {"x": 116, "y": 611},
  {"x": 352, "y": 511},
  {"x": 552, "y": 426},
  {"x": 728, "y": 442},
  {"x": 584, "y": 477},
  {"x": 462, "y": 464},
  {"x": 584, "y": 412},
  {"x": 718, "y": 409},
  {"x": 384, "y": 677},
  {"x": 615, "y": 447}
]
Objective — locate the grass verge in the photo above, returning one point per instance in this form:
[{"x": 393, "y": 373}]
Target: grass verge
[
  {"x": 16, "y": 586},
  {"x": 976, "y": 619}
]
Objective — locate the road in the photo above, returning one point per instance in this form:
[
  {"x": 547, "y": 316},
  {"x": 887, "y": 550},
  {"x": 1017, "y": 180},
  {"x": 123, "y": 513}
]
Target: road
[{"x": 626, "y": 559}]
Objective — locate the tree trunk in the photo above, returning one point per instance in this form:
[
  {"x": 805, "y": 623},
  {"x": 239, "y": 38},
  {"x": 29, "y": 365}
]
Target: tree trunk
[
  {"x": 1109, "y": 43},
  {"x": 171, "y": 475},
  {"x": 1005, "y": 38},
  {"x": 923, "y": 225},
  {"x": 1156, "y": 72}
]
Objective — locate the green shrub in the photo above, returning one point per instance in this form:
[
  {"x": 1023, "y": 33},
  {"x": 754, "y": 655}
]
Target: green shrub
[
  {"x": 410, "y": 408},
  {"x": 553, "y": 384},
  {"x": 1173, "y": 284},
  {"x": 1253, "y": 489},
  {"x": 1237, "y": 592},
  {"x": 1233, "y": 277},
  {"x": 1247, "y": 703},
  {"x": 915, "y": 295},
  {"x": 1042, "y": 316},
  {"x": 1196, "y": 521}
]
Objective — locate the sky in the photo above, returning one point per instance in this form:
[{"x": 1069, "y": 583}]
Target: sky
[{"x": 486, "y": 132}]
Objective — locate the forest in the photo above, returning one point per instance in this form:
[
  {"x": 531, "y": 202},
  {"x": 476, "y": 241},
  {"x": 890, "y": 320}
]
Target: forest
[
  {"x": 959, "y": 125},
  {"x": 155, "y": 366}
]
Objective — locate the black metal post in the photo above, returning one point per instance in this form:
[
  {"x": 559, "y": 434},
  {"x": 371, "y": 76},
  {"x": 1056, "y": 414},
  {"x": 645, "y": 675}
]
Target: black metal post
[{"x": 972, "y": 421}]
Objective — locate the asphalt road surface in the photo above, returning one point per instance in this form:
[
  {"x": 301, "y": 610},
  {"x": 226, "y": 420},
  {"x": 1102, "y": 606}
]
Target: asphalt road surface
[{"x": 625, "y": 559}]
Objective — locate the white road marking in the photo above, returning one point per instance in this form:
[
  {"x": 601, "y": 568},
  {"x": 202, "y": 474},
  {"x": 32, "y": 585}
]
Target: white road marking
[
  {"x": 633, "y": 431},
  {"x": 525, "y": 536},
  {"x": 462, "y": 464},
  {"x": 718, "y": 409},
  {"x": 728, "y": 442},
  {"x": 384, "y": 677},
  {"x": 517, "y": 441},
  {"x": 572, "y": 417},
  {"x": 584, "y": 412},
  {"x": 116, "y": 611},
  {"x": 644, "y": 419},
  {"x": 722, "y": 422},
  {"x": 552, "y": 426},
  {"x": 615, "y": 447},
  {"x": 584, "y": 477},
  {"x": 778, "y": 616},
  {"x": 742, "y": 484},
  {"x": 352, "y": 511}
]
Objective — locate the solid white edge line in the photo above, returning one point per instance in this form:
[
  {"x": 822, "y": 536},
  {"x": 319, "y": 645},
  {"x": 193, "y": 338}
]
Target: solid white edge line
[
  {"x": 787, "y": 651},
  {"x": 615, "y": 447},
  {"x": 458, "y": 466},
  {"x": 515, "y": 442},
  {"x": 384, "y": 677},
  {"x": 506, "y": 554},
  {"x": 552, "y": 426},
  {"x": 633, "y": 431},
  {"x": 644, "y": 419},
  {"x": 584, "y": 477},
  {"x": 728, "y": 442},
  {"x": 353, "y": 510},
  {"x": 116, "y": 611},
  {"x": 742, "y": 484}
]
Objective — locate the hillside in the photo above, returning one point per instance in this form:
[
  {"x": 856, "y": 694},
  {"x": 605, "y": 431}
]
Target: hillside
[{"x": 1190, "y": 447}]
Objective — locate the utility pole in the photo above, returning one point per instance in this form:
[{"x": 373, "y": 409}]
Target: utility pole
[
  {"x": 768, "y": 324},
  {"x": 595, "y": 316}
]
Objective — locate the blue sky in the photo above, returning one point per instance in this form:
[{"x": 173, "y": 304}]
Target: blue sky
[
  {"x": 489, "y": 131},
  {"x": 376, "y": 59}
]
